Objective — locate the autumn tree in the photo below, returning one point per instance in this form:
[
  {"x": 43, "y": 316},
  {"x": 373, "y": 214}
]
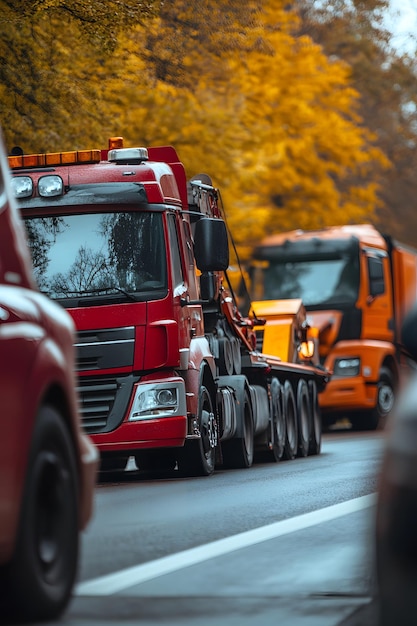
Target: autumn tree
[
  {"x": 236, "y": 91},
  {"x": 47, "y": 72},
  {"x": 276, "y": 119},
  {"x": 386, "y": 79}
]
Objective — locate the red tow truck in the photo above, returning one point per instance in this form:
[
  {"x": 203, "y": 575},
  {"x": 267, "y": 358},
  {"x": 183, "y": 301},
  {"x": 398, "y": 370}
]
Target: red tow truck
[
  {"x": 168, "y": 370},
  {"x": 47, "y": 465}
]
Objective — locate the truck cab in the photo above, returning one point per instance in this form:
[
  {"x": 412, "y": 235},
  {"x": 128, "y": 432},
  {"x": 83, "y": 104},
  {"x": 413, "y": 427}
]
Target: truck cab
[
  {"x": 356, "y": 285},
  {"x": 167, "y": 370}
]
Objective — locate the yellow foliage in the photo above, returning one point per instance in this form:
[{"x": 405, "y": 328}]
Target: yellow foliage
[{"x": 265, "y": 113}]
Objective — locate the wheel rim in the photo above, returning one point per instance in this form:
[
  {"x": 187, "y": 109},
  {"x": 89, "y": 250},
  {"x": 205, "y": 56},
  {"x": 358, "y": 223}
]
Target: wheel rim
[
  {"x": 208, "y": 425},
  {"x": 385, "y": 398},
  {"x": 51, "y": 511}
]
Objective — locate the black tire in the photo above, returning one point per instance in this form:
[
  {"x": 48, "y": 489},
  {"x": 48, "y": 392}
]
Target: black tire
[
  {"x": 277, "y": 426},
  {"x": 290, "y": 416},
  {"x": 238, "y": 453},
  {"x": 41, "y": 576},
  {"x": 225, "y": 361},
  {"x": 237, "y": 357},
  {"x": 161, "y": 460},
  {"x": 316, "y": 429},
  {"x": 303, "y": 417},
  {"x": 376, "y": 419},
  {"x": 198, "y": 457}
]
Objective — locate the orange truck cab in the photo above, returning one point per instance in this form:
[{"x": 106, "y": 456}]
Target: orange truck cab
[
  {"x": 356, "y": 285},
  {"x": 47, "y": 465}
]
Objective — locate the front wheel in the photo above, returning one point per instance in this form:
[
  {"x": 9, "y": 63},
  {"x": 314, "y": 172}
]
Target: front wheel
[
  {"x": 198, "y": 457},
  {"x": 376, "y": 418},
  {"x": 40, "y": 578}
]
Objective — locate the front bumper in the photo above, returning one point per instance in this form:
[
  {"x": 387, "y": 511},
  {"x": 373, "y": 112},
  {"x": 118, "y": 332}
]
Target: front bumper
[
  {"x": 153, "y": 433},
  {"x": 348, "y": 394}
]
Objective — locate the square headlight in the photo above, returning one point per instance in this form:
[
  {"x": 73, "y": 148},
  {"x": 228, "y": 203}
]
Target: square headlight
[{"x": 348, "y": 366}]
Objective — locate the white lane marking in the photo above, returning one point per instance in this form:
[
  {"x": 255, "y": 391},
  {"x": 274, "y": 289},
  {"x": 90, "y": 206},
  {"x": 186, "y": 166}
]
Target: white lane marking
[{"x": 118, "y": 581}]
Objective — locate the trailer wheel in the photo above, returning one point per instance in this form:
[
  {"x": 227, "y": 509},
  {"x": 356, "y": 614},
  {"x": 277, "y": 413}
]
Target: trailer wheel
[
  {"x": 315, "y": 423},
  {"x": 303, "y": 416},
  {"x": 39, "y": 580},
  {"x": 239, "y": 451},
  {"x": 290, "y": 415},
  {"x": 198, "y": 457},
  {"x": 277, "y": 427}
]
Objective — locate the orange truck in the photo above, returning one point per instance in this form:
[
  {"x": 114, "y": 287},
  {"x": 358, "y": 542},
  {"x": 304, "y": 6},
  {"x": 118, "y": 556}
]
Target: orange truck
[{"x": 356, "y": 285}]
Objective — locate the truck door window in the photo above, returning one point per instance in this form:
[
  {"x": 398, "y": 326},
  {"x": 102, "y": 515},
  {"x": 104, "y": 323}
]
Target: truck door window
[
  {"x": 177, "y": 273},
  {"x": 376, "y": 276}
]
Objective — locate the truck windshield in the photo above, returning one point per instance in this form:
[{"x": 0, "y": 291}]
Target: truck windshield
[
  {"x": 316, "y": 281},
  {"x": 82, "y": 255}
]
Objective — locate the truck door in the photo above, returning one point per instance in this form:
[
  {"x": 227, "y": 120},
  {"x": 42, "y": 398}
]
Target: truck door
[
  {"x": 182, "y": 313},
  {"x": 378, "y": 315}
]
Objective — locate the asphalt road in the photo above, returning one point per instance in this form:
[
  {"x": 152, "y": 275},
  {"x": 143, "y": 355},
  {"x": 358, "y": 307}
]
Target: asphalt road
[{"x": 288, "y": 543}]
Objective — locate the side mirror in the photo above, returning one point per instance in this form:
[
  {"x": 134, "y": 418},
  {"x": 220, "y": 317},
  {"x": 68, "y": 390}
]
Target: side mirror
[
  {"x": 409, "y": 332},
  {"x": 211, "y": 245}
]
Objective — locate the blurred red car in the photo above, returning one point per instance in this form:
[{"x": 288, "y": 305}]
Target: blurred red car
[
  {"x": 47, "y": 465},
  {"x": 396, "y": 519}
]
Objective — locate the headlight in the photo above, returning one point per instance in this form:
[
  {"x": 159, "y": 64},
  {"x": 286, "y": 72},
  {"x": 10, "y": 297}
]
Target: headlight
[
  {"x": 22, "y": 186},
  {"x": 158, "y": 400},
  {"x": 347, "y": 367},
  {"x": 50, "y": 186}
]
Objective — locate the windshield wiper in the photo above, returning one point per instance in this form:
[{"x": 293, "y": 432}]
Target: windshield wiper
[{"x": 100, "y": 290}]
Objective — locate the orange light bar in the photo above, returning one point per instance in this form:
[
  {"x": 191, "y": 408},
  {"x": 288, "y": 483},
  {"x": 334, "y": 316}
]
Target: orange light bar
[
  {"x": 115, "y": 143},
  {"x": 60, "y": 158},
  {"x": 55, "y": 158},
  {"x": 27, "y": 160},
  {"x": 88, "y": 156}
]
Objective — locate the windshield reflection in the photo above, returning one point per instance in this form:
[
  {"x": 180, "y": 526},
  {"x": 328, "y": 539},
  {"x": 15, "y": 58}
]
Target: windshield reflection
[
  {"x": 76, "y": 255},
  {"x": 318, "y": 281}
]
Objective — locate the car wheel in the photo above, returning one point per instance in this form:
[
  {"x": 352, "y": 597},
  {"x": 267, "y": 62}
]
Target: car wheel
[{"x": 41, "y": 575}]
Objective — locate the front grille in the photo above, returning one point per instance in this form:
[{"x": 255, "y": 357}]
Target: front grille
[
  {"x": 97, "y": 399},
  {"x": 104, "y": 401},
  {"x": 105, "y": 348}
]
